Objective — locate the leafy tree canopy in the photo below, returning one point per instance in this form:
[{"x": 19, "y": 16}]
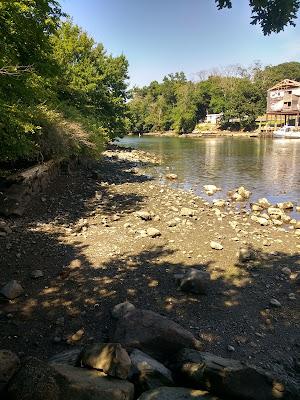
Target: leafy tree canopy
[{"x": 271, "y": 15}]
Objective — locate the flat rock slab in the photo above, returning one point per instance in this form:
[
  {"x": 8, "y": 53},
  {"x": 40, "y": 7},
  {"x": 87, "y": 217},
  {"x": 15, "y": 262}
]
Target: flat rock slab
[
  {"x": 84, "y": 384},
  {"x": 169, "y": 393}
]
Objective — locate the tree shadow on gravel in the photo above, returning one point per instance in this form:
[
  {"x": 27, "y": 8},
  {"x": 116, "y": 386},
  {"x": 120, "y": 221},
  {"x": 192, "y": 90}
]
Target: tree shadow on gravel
[
  {"x": 37, "y": 242},
  {"x": 70, "y": 198},
  {"x": 83, "y": 294}
]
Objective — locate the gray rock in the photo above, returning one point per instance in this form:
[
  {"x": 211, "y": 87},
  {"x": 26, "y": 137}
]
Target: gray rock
[
  {"x": 144, "y": 215},
  {"x": 216, "y": 245},
  {"x": 153, "y": 232},
  {"x": 121, "y": 309},
  {"x": 173, "y": 222},
  {"x": 171, "y": 176},
  {"x": 275, "y": 303},
  {"x": 11, "y": 290},
  {"x": 210, "y": 189},
  {"x": 188, "y": 212},
  {"x": 245, "y": 254},
  {"x": 35, "y": 380},
  {"x": 9, "y": 365},
  {"x": 152, "y": 333},
  {"x": 286, "y": 205},
  {"x": 4, "y": 228},
  {"x": 147, "y": 373},
  {"x": 263, "y": 202},
  {"x": 244, "y": 192},
  {"x": 195, "y": 281},
  {"x": 230, "y": 378},
  {"x": 84, "y": 384},
  {"x": 176, "y": 393},
  {"x": 37, "y": 273},
  {"x": 110, "y": 358},
  {"x": 219, "y": 203}
]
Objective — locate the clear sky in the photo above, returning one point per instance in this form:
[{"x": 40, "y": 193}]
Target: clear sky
[{"x": 163, "y": 36}]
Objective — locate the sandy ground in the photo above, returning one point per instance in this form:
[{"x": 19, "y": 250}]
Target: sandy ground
[{"x": 84, "y": 235}]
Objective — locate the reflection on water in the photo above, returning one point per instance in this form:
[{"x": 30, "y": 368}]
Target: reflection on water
[{"x": 268, "y": 167}]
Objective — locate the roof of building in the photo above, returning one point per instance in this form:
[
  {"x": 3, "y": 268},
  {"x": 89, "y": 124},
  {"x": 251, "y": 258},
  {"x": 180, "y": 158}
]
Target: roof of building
[{"x": 285, "y": 84}]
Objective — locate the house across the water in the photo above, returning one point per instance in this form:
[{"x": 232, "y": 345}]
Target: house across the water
[
  {"x": 213, "y": 118},
  {"x": 283, "y": 101}
]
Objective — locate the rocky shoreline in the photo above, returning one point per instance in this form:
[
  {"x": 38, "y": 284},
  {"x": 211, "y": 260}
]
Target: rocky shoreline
[{"x": 227, "y": 277}]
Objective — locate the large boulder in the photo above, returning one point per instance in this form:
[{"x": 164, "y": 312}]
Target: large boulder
[
  {"x": 35, "y": 380},
  {"x": 229, "y": 378},
  {"x": 147, "y": 373},
  {"x": 176, "y": 393},
  {"x": 152, "y": 333},
  {"x": 85, "y": 384},
  {"x": 9, "y": 365},
  {"x": 110, "y": 358}
]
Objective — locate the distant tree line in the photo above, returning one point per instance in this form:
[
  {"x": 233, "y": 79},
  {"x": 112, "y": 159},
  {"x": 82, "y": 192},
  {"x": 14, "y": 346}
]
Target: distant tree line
[
  {"x": 60, "y": 92},
  {"x": 179, "y": 104}
]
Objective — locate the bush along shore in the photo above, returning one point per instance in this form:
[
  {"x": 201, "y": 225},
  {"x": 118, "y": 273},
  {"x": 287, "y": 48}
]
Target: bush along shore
[{"x": 118, "y": 286}]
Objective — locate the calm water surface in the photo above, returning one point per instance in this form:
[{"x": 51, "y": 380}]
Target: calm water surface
[{"x": 268, "y": 167}]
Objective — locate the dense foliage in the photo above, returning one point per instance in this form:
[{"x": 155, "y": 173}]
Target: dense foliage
[
  {"x": 60, "y": 92},
  {"x": 271, "y": 15},
  {"x": 178, "y": 104}
]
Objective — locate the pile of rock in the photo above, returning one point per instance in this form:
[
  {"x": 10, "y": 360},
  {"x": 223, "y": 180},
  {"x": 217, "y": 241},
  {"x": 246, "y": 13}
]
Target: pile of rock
[
  {"x": 264, "y": 213},
  {"x": 150, "y": 357}
]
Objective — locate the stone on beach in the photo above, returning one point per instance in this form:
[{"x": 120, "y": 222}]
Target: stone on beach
[
  {"x": 153, "y": 232},
  {"x": 211, "y": 189},
  {"x": 286, "y": 205},
  {"x": 216, "y": 245},
  {"x": 144, "y": 215},
  {"x": 263, "y": 202},
  {"x": 11, "y": 290},
  {"x": 194, "y": 281},
  {"x": 171, "y": 176},
  {"x": 219, "y": 203},
  {"x": 187, "y": 212}
]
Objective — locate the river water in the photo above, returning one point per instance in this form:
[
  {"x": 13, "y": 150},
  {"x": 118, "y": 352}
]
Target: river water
[{"x": 268, "y": 167}]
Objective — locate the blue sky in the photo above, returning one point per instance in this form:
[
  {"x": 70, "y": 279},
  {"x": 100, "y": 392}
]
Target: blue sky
[{"x": 163, "y": 36}]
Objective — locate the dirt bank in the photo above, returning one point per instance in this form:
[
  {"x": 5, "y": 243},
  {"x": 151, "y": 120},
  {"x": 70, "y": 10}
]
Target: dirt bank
[{"x": 94, "y": 252}]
